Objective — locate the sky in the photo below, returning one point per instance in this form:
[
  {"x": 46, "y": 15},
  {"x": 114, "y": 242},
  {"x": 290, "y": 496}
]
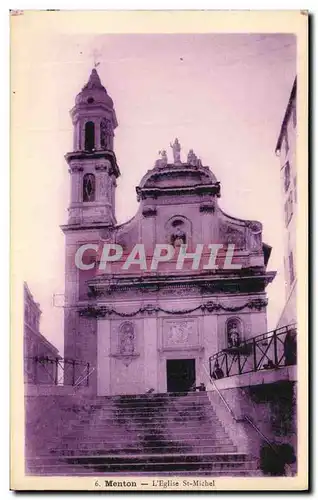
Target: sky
[{"x": 222, "y": 95}]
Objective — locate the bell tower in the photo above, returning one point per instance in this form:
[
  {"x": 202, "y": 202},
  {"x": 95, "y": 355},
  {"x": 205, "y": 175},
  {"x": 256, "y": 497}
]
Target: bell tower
[
  {"x": 93, "y": 172},
  {"x": 92, "y": 163}
]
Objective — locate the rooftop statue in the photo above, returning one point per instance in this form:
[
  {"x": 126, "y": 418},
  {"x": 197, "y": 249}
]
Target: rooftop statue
[
  {"x": 176, "y": 148},
  {"x": 164, "y": 158},
  {"x": 192, "y": 158}
]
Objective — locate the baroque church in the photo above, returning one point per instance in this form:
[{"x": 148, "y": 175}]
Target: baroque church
[{"x": 153, "y": 330}]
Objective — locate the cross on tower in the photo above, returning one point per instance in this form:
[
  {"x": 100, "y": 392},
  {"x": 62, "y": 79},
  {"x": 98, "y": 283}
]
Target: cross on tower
[{"x": 96, "y": 54}]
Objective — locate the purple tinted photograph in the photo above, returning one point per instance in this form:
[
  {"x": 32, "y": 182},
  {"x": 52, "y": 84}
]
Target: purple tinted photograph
[{"x": 160, "y": 325}]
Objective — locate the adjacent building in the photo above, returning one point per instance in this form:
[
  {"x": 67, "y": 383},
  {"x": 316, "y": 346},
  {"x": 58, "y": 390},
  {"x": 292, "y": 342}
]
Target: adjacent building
[
  {"x": 286, "y": 150},
  {"x": 40, "y": 356}
]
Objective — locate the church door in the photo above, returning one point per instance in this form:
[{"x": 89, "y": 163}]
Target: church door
[{"x": 180, "y": 374}]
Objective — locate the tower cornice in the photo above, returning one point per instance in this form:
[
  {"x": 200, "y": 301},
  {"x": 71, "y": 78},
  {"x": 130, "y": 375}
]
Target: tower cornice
[{"x": 95, "y": 155}]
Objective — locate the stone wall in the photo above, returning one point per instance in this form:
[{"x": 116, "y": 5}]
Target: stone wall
[
  {"x": 272, "y": 409},
  {"x": 48, "y": 413}
]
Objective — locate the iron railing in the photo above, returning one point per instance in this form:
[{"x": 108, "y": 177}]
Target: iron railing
[
  {"x": 40, "y": 370},
  {"x": 271, "y": 350}
]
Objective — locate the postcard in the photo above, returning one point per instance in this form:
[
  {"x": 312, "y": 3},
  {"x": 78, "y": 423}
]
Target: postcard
[{"x": 159, "y": 250}]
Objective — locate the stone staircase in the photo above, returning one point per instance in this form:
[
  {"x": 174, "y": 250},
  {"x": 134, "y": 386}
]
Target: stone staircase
[{"x": 144, "y": 434}]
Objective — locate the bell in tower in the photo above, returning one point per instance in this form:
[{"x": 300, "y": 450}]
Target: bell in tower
[{"x": 93, "y": 165}]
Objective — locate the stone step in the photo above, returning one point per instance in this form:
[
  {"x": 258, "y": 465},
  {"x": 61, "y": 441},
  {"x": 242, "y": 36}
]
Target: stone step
[
  {"x": 165, "y": 396},
  {"x": 191, "y": 403},
  {"x": 131, "y": 437},
  {"x": 82, "y": 471},
  {"x": 140, "y": 432},
  {"x": 156, "y": 411},
  {"x": 150, "y": 418},
  {"x": 150, "y": 402},
  {"x": 145, "y": 445},
  {"x": 146, "y": 412},
  {"x": 130, "y": 458},
  {"x": 213, "y": 466},
  {"x": 111, "y": 409},
  {"x": 175, "y": 428},
  {"x": 71, "y": 440},
  {"x": 122, "y": 449},
  {"x": 160, "y": 422}
]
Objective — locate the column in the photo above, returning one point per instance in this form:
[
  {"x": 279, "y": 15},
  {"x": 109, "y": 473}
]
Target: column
[
  {"x": 150, "y": 353},
  {"x": 76, "y": 183},
  {"x": 209, "y": 337},
  {"x": 103, "y": 357}
]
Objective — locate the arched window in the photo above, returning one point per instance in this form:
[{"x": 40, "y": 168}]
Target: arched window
[
  {"x": 104, "y": 133},
  {"x": 89, "y": 136},
  {"x": 89, "y": 187},
  {"x": 234, "y": 332}
]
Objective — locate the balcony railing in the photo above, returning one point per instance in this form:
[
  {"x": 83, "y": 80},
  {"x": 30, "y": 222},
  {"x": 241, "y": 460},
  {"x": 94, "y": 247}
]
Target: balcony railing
[
  {"x": 56, "y": 371},
  {"x": 271, "y": 350}
]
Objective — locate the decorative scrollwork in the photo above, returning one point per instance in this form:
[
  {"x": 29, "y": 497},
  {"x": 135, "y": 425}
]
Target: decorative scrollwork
[{"x": 210, "y": 306}]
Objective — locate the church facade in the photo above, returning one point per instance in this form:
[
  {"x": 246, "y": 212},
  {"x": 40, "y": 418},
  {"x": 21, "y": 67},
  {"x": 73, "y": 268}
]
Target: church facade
[{"x": 143, "y": 325}]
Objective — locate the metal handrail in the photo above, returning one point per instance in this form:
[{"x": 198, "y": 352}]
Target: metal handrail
[
  {"x": 244, "y": 417},
  {"x": 219, "y": 393},
  {"x": 79, "y": 381},
  {"x": 59, "y": 366}
]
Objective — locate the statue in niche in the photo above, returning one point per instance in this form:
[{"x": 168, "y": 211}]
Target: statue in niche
[
  {"x": 105, "y": 132},
  {"x": 233, "y": 333},
  {"x": 178, "y": 238},
  {"x": 127, "y": 339},
  {"x": 176, "y": 148},
  {"x": 89, "y": 187}
]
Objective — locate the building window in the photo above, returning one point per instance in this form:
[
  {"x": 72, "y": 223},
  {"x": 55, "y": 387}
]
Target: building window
[
  {"x": 89, "y": 136},
  {"x": 287, "y": 176},
  {"x": 286, "y": 144},
  {"x": 291, "y": 204},
  {"x": 294, "y": 116},
  {"x": 291, "y": 268},
  {"x": 289, "y": 208},
  {"x": 286, "y": 213},
  {"x": 233, "y": 332},
  {"x": 89, "y": 187}
]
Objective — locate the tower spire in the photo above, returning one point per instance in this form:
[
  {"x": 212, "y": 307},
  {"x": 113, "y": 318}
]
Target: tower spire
[{"x": 94, "y": 81}]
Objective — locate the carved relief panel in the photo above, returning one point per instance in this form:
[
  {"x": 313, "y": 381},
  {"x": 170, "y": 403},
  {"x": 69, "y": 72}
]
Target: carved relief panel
[
  {"x": 233, "y": 235},
  {"x": 180, "y": 333}
]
